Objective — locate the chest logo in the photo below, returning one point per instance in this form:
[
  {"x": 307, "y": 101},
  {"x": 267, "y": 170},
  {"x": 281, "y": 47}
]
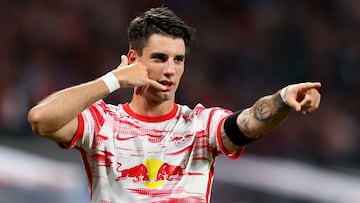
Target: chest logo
[
  {"x": 180, "y": 139},
  {"x": 153, "y": 173}
]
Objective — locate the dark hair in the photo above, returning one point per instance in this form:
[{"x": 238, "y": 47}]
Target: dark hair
[{"x": 159, "y": 20}]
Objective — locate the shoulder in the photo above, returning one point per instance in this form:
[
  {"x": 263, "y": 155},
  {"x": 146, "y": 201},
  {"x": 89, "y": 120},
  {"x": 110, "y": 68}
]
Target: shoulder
[
  {"x": 101, "y": 107},
  {"x": 185, "y": 109}
]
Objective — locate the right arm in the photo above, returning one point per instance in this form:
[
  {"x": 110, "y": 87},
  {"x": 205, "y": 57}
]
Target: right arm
[
  {"x": 270, "y": 111},
  {"x": 55, "y": 117}
]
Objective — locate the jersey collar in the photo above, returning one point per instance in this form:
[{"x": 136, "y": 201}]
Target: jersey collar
[{"x": 165, "y": 117}]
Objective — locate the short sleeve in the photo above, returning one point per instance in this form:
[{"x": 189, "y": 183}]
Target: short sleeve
[
  {"x": 214, "y": 117},
  {"x": 77, "y": 136},
  {"x": 89, "y": 123},
  {"x": 233, "y": 155}
]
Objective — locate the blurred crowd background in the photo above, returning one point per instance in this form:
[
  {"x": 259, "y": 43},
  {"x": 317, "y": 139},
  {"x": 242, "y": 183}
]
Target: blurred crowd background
[{"x": 245, "y": 49}]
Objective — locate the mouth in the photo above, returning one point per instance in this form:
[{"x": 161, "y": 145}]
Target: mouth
[{"x": 168, "y": 83}]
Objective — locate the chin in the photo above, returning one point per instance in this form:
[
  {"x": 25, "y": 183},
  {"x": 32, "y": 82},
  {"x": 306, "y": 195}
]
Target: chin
[
  {"x": 166, "y": 97},
  {"x": 160, "y": 96},
  {"x": 163, "y": 96}
]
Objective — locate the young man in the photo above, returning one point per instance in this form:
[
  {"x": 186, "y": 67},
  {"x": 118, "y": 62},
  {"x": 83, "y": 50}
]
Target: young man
[{"x": 152, "y": 149}]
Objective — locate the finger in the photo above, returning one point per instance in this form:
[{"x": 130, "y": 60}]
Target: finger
[
  {"x": 307, "y": 100},
  {"x": 141, "y": 90},
  {"x": 124, "y": 60},
  {"x": 144, "y": 89},
  {"x": 308, "y": 110},
  {"x": 315, "y": 103},
  {"x": 303, "y": 90},
  {"x": 293, "y": 103},
  {"x": 309, "y": 85},
  {"x": 310, "y": 102},
  {"x": 312, "y": 96},
  {"x": 318, "y": 99},
  {"x": 156, "y": 85}
]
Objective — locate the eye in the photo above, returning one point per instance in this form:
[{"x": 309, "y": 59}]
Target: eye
[
  {"x": 179, "y": 59},
  {"x": 159, "y": 57}
]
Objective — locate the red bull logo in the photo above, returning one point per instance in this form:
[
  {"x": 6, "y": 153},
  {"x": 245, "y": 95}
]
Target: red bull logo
[
  {"x": 169, "y": 172},
  {"x": 136, "y": 174},
  {"x": 153, "y": 173}
]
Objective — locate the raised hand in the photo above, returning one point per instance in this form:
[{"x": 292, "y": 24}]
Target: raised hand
[
  {"x": 135, "y": 75},
  {"x": 303, "y": 97}
]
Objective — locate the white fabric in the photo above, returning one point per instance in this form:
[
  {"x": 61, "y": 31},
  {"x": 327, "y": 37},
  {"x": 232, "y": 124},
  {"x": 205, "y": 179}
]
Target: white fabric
[
  {"x": 110, "y": 81},
  {"x": 133, "y": 158}
]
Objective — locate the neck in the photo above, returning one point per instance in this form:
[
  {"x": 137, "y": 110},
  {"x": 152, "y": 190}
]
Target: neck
[{"x": 150, "y": 108}]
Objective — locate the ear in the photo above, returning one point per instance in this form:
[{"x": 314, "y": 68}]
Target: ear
[{"x": 132, "y": 56}]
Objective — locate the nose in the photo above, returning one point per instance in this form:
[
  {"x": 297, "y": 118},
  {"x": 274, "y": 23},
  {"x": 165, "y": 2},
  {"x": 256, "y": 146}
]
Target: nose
[{"x": 170, "y": 68}]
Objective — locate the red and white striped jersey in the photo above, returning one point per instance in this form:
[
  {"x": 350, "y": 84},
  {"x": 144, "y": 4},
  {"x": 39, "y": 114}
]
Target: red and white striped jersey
[{"x": 133, "y": 158}]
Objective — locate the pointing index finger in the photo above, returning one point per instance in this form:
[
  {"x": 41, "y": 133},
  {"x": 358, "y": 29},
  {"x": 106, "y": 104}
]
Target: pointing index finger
[
  {"x": 310, "y": 85},
  {"x": 298, "y": 92}
]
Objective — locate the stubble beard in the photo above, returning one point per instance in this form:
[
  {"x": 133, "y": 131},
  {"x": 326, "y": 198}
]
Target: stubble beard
[{"x": 159, "y": 96}]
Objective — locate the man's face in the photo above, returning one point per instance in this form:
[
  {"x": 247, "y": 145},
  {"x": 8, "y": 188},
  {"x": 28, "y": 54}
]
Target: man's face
[{"x": 164, "y": 58}]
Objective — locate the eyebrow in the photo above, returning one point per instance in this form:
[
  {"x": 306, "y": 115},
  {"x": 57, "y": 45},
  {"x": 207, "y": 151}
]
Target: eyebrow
[
  {"x": 165, "y": 56},
  {"x": 182, "y": 57},
  {"x": 158, "y": 55}
]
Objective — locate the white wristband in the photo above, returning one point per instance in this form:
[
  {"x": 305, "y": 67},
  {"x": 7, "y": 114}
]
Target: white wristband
[
  {"x": 282, "y": 94},
  {"x": 110, "y": 81}
]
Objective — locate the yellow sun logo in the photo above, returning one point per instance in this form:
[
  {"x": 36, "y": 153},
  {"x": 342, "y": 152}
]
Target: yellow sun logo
[{"x": 153, "y": 166}]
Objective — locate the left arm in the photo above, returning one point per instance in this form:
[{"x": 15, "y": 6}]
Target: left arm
[{"x": 270, "y": 111}]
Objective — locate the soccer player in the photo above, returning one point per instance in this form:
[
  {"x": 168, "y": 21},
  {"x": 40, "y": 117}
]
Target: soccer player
[{"x": 152, "y": 149}]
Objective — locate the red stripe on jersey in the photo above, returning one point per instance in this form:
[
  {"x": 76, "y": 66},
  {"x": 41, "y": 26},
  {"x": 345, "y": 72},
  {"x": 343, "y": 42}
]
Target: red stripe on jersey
[
  {"x": 97, "y": 116},
  {"x": 234, "y": 155},
  {"x": 165, "y": 117},
  {"x": 211, "y": 176},
  {"x": 78, "y": 134},
  {"x": 87, "y": 169},
  {"x": 211, "y": 172}
]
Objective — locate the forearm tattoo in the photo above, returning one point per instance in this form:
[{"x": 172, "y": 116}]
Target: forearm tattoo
[
  {"x": 271, "y": 109},
  {"x": 265, "y": 114}
]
